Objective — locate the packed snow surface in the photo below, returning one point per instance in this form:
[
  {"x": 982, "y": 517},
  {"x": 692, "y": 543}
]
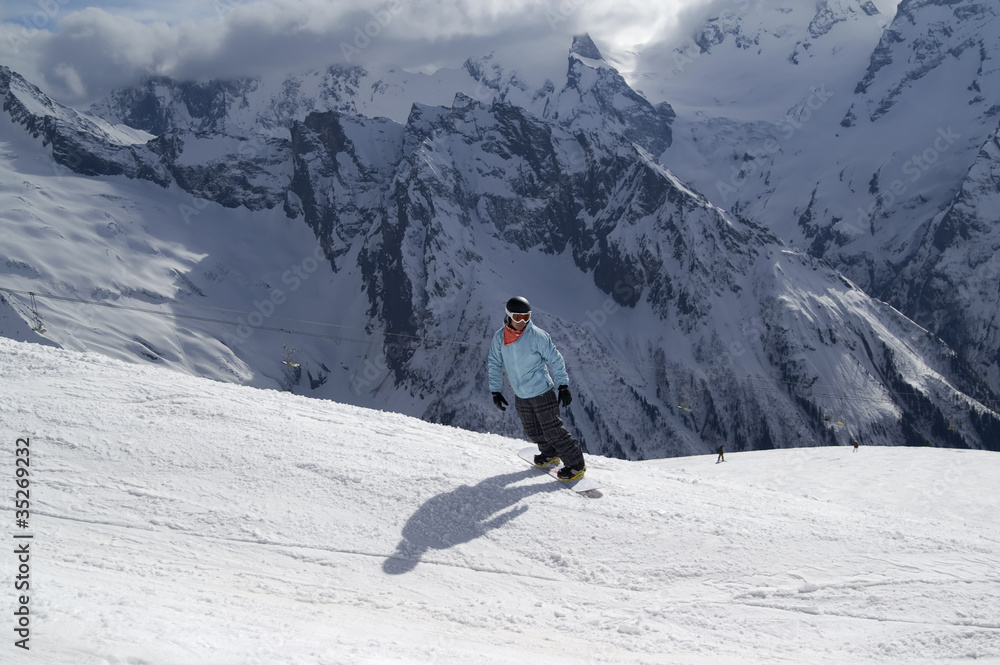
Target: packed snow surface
[{"x": 180, "y": 520}]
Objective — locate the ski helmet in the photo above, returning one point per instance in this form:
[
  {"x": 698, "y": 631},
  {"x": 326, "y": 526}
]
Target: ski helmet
[{"x": 518, "y": 305}]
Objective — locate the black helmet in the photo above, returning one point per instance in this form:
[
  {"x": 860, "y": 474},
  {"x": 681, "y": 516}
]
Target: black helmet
[{"x": 518, "y": 305}]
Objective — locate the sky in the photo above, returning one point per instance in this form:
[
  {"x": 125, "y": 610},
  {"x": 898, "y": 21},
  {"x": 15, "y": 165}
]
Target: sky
[{"x": 78, "y": 51}]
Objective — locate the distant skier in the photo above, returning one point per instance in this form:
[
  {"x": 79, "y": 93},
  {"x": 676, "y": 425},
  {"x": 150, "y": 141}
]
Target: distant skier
[
  {"x": 855, "y": 445},
  {"x": 524, "y": 350},
  {"x": 721, "y": 458}
]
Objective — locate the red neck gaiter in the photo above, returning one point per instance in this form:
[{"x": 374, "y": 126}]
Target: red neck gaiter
[{"x": 510, "y": 335}]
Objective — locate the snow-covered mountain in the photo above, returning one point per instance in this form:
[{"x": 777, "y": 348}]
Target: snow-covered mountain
[
  {"x": 952, "y": 280},
  {"x": 866, "y": 143},
  {"x": 287, "y": 234},
  {"x": 180, "y": 520}
]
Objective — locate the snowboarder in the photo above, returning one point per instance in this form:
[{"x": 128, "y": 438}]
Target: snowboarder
[
  {"x": 524, "y": 350},
  {"x": 721, "y": 457}
]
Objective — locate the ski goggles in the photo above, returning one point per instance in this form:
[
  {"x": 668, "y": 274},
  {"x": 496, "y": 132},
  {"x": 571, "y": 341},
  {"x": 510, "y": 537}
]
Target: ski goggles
[{"x": 520, "y": 318}]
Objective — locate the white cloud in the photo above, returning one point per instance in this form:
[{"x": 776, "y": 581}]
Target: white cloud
[{"x": 77, "y": 56}]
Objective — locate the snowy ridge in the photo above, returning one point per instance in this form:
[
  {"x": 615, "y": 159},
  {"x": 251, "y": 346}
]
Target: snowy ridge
[
  {"x": 32, "y": 104},
  {"x": 183, "y": 520}
]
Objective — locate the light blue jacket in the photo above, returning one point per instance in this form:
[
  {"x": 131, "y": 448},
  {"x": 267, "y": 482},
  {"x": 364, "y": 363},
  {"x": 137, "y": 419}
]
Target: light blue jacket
[{"x": 525, "y": 361}]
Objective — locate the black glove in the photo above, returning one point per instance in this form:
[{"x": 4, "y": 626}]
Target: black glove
[
  {"x": 564, "y": 397},
  {"x": 500, "y": 402}
]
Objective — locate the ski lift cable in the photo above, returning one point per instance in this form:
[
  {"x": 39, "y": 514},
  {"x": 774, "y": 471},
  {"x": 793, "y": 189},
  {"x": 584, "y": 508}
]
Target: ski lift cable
[
  {"x": 586, "y": 365},
  {"x": 174, "y": 302},
  {"x": 580, "y": 359},
  {"x": 193, "y": 317},
  {"x": 777, "y": 385}
]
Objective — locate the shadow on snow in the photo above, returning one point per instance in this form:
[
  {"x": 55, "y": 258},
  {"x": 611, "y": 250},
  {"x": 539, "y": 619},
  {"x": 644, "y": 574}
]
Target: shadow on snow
[{"x": 462, "y": 515}]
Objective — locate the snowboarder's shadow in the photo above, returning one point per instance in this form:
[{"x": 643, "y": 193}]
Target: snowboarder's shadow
[{"x": 461, "y": 515}]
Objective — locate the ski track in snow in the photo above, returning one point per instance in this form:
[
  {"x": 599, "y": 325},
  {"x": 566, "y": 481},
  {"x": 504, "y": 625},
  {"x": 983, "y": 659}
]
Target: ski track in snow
[{"x": 182, "y": 520}]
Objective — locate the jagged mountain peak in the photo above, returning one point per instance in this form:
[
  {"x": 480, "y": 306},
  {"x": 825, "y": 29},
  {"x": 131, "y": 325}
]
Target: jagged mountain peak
[
  {"x": 596, "y": 97},
  {"x": 584, "y": 47},
  {"x": 931, "y": 39}
]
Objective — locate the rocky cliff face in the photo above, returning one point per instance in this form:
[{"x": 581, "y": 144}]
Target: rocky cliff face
[{"x": 80, "y": 142}]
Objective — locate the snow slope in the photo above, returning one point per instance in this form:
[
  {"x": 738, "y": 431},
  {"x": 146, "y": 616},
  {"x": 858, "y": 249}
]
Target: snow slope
[{"x": 180, "y": 520}]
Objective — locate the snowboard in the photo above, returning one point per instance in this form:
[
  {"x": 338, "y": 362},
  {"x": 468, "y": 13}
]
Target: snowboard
[{"x": 581, "y": 485}]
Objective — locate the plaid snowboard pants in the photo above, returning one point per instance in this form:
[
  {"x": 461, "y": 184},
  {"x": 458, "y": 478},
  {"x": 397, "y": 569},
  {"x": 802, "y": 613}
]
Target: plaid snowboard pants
[{"x": 542, "y": 424}]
